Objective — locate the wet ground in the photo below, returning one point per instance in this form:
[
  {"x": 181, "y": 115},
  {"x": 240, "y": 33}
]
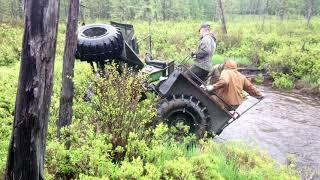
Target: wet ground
[{"x": 283, "y": 124}]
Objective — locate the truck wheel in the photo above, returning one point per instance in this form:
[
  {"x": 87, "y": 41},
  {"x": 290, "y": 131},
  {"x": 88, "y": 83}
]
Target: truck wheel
[
  {"x": 99, "y": 42},
  {"x": 184, "y": 109}
]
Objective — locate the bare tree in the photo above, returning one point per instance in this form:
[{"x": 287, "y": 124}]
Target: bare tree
[
  {"x": 164, "y": 10},
  {"x": 27, "y": 146},
  {"x": 216, "y": 11},
  {"x": 282, "y": 9},
  {"x": 223, "y": 21},
  {"x": 66, "y": 95},
  {"x": 310, "y": 6},
  {"x": 265, "y": 13}
]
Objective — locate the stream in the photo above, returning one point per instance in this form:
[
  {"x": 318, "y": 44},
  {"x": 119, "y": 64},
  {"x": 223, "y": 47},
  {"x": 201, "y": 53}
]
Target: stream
[{"x": 282, "y": 124}]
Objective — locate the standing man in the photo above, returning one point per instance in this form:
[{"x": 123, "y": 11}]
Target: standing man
[
  {"x": 204, "y": 53},
  {"x": 231, "y": 84}
]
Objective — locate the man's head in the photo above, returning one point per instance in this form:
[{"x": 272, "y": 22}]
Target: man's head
[
  {"x": 230, "y": 64},
  {"x": 204, "y": 29}
]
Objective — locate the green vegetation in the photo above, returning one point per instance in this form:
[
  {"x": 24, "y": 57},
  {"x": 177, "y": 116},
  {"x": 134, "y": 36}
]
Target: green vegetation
[
  {"x": 259, "y": 79},
  {"x": 159, "y": 156},
  {"x": 286, "y": 49},
  {"x": 283, "y": 81},
  {"x": 96, "y": 146},
  {"x": 10, "y": 44}
]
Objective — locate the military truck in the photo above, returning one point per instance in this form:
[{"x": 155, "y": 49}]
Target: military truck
[{"x": 182, "y": 99}]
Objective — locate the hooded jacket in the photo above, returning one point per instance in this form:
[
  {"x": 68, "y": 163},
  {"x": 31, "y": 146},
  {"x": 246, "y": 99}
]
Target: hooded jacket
[
  {"x": 205, "y": 51},
  {"x": 232, "y": 83}
]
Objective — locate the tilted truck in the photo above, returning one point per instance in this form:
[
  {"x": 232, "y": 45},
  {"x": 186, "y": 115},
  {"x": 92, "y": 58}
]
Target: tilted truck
[{"x": 182, "y": 99}]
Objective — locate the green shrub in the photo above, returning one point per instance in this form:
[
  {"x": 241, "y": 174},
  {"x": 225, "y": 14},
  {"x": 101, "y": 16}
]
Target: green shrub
[
  {"x": 179, "y": 168},
  {"x": 310, "y": 81},
  {"x": 228, "y": 42},
  {"x": 206, "y": 166},
  {"x": 161, "y": 158},
  {"x": 10, "y": 44},
  {"x": 218, "y": 59},
  {"x": 8, "y": 85},
  {"x": 88, "y": 152},
  {"x": 5, "y": 132},
  {"x": 117, "y": 107},
  {"x": 315, "y": 74},
  {"x": 259, "y": 79},
  {"x": 251, "y": 163},
  {"x": 283, "y": 81}
]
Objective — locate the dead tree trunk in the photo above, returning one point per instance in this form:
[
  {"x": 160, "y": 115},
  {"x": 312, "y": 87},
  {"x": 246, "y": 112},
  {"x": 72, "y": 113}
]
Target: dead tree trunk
[
  {"x": 27, "y": 146},
  {"x": 223, "y": 21},
  {"x": 82, "y": 9},
  {"x": 66, "y": 95},
  {"x": 282, "y": 9},
  {"x": 265, "y": 13},
  {"x": 164, "y": 10},
  {"x": 310, "y": 11}
]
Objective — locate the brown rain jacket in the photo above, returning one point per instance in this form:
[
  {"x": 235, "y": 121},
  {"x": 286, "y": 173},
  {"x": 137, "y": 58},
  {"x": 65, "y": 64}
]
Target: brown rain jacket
[{"x": 232, "y": 83}]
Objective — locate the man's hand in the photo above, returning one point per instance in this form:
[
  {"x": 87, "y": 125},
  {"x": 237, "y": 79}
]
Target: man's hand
[
  {"x": 193, "y": 54},
  {"x": 210, "y": 88},
  {"x": 203, "y": 87},
  {"x": 260, "y": 97},
  {"x": 207, "y": 88}
]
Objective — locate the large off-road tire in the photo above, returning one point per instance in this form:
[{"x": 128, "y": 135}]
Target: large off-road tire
[
  {"x": 99, "y": 42},
  {"x": 184, "y": 109}
]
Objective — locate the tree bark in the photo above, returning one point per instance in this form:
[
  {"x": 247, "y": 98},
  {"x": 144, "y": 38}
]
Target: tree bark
[
  {"x": 216, "y": 12},
  {"x": 282, "y": 9},
  {"x": 27, "y": 146},
  {"x": 223, "y": 21},
  {"x": 265, "y": 13},
  {"x": 310, "y": 11},
  {"x": 163, "y": 10},
  {"x": 66, "y": 95}
]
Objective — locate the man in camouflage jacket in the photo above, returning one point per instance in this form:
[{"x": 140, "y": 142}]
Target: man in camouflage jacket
[{"x": 204, "y": 53}]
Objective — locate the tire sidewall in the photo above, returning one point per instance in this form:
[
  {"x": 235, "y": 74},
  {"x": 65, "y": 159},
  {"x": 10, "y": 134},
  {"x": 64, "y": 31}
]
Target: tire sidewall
[
  {"x": 111, "y": 32},
  {"x": 166, "y": 106},
  {"x": 101, "y": 48}
]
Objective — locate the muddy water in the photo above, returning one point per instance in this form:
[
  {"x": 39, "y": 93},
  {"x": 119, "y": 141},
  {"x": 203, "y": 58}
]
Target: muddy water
[{"x": 282, "y": 124}]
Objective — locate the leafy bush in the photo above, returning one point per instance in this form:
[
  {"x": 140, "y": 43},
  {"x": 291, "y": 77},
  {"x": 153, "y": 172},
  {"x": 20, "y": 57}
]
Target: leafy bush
[
  {"x": 117, "y": 107},
  {"x": 88, "y": 152},
  {"x": 259, "y": 79},
  {"x": 283, "y": 81},
  {"x": 254, "y": 164},
  {"x": 5, "y": 130},
  {"x": 162, "y": 158},
  {"x": 10, "y": 44},
  {"x": 8, "y": 85}
]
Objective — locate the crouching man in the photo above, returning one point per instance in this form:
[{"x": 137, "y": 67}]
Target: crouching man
[
  {"x": 215, "y": 73},
  {"x": 231, "y": 85}
]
